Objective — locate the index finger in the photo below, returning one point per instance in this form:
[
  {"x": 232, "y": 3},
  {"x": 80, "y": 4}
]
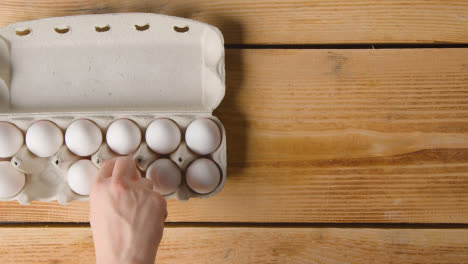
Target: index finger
[
  {"x": 106, "y": 169},
  {"x": 124, "y": 170}
]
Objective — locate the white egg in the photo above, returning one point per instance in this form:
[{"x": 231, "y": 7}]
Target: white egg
[
  {"x": 163, "y": 136},
  {"x": 203, "y": 176},
  {"x": 11, "y": 180},
  {"x": 123, "y": 136},
  {"x": 83, "y": 137},
  {"x": 11, "y": 140},
  {"x": 44, "y": 138},
  {"x": 203, "y": 136},
  {"x": 81, "y": 175},
  {"x": 166, "y": 176}
]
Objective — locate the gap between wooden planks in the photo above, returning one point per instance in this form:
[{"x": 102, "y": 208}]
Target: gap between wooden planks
[
  {"x": 331, "y": 136},
  {"x": 249, "y": 245},
  {"x": 284, "y": 22}
]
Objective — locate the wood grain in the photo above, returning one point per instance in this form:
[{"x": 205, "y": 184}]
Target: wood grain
[
  {"x": 250, "y": 245},
  {"x": 284, "y": 22},
  {"x": 332, "y": 136}
]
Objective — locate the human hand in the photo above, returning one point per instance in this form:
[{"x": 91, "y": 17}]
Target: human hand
[{"x": 127, "y": 217}]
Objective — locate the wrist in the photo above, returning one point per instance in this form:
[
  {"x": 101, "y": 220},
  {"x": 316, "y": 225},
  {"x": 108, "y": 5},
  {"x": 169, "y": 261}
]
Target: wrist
[
  {"x": 117, "y": 260},
  {"x": 143, "y": 258}
]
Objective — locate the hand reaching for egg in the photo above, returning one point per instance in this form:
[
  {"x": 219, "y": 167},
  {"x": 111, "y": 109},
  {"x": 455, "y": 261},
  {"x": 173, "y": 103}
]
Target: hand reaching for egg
[{"x": 127, "y": 217}]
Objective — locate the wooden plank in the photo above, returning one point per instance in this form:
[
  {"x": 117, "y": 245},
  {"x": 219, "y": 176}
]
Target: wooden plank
[
  {"x": 332, "y": 136},
  {"x": 284, "y": 22},
  {"x": 250, "y": 245}
]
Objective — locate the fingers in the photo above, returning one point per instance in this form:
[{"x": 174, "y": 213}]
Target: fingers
[
  {"x": 106, "y": 169},
  {"x": 124, "y": 170},
  {"x": 147, "y": 183}
]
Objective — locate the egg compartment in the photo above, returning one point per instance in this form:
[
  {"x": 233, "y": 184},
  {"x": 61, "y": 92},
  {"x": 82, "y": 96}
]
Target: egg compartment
[
  {"x": 46, "y": 178},
  {"x": 102, "y": 68}
]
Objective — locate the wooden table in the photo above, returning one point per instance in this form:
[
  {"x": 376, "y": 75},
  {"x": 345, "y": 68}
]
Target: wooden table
[{"x": 347, "y": 135}]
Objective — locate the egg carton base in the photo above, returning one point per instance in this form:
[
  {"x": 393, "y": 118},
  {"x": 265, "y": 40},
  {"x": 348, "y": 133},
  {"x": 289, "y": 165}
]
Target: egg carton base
[{"x": 46, "y": 178}]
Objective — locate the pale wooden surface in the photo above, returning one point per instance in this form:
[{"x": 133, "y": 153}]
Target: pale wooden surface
[
  {"x": 284, "y": 22},
  {"x": 250, "y": 245},
  {"x": 332, "y": 136},
  {"x": 341, "y": 136}
]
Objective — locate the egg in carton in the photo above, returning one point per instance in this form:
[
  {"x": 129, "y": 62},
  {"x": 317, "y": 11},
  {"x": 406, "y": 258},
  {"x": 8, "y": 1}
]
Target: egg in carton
[{"x": 121, "y": 80}]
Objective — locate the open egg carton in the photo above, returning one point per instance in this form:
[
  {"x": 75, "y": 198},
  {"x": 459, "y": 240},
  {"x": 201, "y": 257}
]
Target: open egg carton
[{"x": 136, "y": 84}]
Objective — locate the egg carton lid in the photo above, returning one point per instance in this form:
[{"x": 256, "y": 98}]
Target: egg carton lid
[{"x": 112, "y": 62}]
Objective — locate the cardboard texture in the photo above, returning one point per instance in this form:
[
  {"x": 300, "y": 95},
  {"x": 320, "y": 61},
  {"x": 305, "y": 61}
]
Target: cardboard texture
[{"x": 105, "y": 67}]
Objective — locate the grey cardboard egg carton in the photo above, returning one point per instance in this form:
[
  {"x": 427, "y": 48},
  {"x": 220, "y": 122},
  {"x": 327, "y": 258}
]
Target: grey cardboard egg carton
[{"x": 172, "y": 69}]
